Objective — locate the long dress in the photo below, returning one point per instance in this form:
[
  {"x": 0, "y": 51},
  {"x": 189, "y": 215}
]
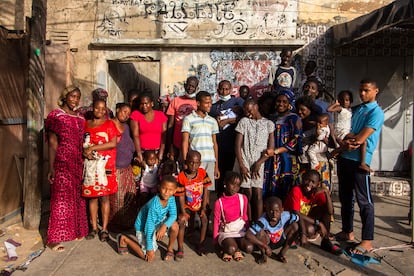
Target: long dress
[
  {"x": 282, "y": 170},
  {"x": 100, "y": 135},
  {"x": 124, "y": 210},
  {"x": 68, "y": 219}
]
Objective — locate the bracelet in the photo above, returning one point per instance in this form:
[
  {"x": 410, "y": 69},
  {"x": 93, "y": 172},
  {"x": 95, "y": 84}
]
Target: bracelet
[
  {"x": 277, "y": 151},
  {"x": 316, "y": 223}
]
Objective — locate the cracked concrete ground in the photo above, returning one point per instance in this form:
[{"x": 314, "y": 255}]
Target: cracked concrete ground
[{"x": 96, "y": 258}]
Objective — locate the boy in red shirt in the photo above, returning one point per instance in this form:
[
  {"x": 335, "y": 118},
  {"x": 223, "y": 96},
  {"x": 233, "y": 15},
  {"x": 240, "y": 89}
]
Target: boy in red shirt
[
  {"x": 193, "y": 194},
  {"x": 314, "y": 206}
]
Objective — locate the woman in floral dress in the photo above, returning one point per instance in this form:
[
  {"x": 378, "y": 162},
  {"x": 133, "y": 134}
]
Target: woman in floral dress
[{"x": 65, "y": 130}]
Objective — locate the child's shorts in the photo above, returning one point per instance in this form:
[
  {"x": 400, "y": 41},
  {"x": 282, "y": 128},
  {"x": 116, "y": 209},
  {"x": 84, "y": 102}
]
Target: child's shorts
[
  {"x": 142, "y": 240},
  {"x": 278, "y": 244}
]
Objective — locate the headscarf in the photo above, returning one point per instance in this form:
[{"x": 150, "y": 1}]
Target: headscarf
[
  {"x": 290, "y": 96},
  {"x": 99, "y": 94},
  {"x": 65, "y": 92}
]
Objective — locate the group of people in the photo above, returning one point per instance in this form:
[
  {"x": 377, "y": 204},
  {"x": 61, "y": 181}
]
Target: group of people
[{"x": 266, "y": 160}]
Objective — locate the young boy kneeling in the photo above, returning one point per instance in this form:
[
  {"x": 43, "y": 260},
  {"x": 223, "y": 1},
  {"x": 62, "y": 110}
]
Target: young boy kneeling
[
  {"x": 154, "y": 219},
  {"x": 314, "y": 206},
  {"x": 275, "y": 228}
]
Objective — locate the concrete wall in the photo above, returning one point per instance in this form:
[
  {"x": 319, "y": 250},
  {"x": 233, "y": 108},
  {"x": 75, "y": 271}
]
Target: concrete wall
[
  {"x": 212, "y": 39},
  {"x": 13, "y": 13}
]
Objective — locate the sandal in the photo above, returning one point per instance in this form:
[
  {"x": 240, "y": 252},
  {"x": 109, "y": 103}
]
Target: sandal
[
  {"x": 201, "y": 250},
  {"x": 103, "y": 236},
  {"x": 169, "y": 256},
  {"x": 281, "y": 258},
  {"x": 328, "y": 246},
  {"x": 122, "y": 250},
  {"x": 57, "y": 247},
  {"x": 227, "y": 257},
  {"x": 91, "y": 235},
  {"x": 238, "y": 256},
  {"x": 179, "y": 256}
]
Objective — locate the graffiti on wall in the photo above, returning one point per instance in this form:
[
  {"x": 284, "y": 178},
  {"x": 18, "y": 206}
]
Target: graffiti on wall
[
  {"x": 240, "y": 68},
  {"x": 233, "y": 19}
]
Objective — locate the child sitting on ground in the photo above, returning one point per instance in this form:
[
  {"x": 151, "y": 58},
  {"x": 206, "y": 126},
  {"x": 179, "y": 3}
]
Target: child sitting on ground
[
  {"x": 343, "y": 125},
  {"x": 193, "y": 196},
  {"x": 149, "y": 177},
  {"x": 321, "y": 144},
  {"x": 275, "y": 228},
  {"x": 153, "y": 221},
  {"x": 314, "y": 206},
  {"x": 230, "y": 219}
]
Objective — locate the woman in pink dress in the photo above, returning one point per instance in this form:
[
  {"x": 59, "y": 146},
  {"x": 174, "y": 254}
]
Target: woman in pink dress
[
  {"x": 99, "y": 178},
  {"x": 65, "y": 130},
  {"x": 149, "y": 127}
]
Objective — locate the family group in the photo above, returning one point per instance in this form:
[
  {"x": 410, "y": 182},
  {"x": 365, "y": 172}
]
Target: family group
[{"x": 258, "y": 167}]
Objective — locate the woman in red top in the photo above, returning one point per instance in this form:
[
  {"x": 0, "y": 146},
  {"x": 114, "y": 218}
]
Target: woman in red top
[
  {"x": 100, "y": 178},
  {"x": 149, "y": 127}
]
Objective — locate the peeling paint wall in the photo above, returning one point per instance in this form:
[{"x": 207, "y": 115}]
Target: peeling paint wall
[
  {"x": 224, "y": 19},
  {"x": 334, "y": 12},
  {"x": 97, "y": 33}
]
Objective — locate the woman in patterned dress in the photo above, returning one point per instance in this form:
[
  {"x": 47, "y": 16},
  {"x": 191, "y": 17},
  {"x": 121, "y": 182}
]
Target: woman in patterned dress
[
  {"x": 102, "y": 148},
  {"x": 123, "y": 203},
  {"x": 282, "y": 170},
  {"x": 65, "y": 130}
]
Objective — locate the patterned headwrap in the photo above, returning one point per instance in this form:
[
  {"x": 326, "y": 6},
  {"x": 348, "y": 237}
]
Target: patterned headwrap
[
  {"x": 99, "y": 94},
  {"x": 291, "y": 97}
]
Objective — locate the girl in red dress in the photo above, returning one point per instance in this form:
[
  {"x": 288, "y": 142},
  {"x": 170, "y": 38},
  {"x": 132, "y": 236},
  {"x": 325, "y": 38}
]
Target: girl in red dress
[{"x": 102, "y": 150}]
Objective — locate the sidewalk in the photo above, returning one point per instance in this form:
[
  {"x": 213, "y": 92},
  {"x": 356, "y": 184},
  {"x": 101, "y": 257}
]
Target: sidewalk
[{"x": 97, "y": 258}]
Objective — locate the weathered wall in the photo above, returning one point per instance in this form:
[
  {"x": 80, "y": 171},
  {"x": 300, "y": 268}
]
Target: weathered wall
[
  {"x": 333, "y": 12},
  {"x": 212, "y": 39},
  {"x": 12, "y": 118},
  {"x": 13, "y": 13}
]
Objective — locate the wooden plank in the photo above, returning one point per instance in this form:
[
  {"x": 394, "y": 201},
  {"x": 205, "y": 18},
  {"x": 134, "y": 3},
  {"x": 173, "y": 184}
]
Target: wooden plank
[{"x": 35, "y": 104}]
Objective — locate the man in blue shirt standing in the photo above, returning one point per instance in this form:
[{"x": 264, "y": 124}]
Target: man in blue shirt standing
[{"x": 367, "y": 121}]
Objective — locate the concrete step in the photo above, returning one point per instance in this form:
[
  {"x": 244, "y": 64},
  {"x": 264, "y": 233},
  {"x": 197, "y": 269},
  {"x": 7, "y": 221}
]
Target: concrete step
[{"x": 384, "y": 186}]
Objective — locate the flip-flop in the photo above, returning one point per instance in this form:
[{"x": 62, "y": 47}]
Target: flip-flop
[
  {"x": 103, "y": 235},
  {"x": 169, "y": 256},
  {"x": 179, "y": 256},
  {"x": 358, "y": 249},
  {"x": 226, "y": 257},
  {"x": 58, "y": 247},
  {"x": 201, "y": 250},
  {"x": 91, "y": 235},
  {"x": 122, "y": 250},
  {"x": 238, "y": 256}
]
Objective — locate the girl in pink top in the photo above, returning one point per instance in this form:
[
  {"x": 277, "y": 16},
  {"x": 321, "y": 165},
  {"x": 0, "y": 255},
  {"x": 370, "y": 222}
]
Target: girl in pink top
[
  {"x": 149, "y": 127},
  {"x": 230, "y": 220}
]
